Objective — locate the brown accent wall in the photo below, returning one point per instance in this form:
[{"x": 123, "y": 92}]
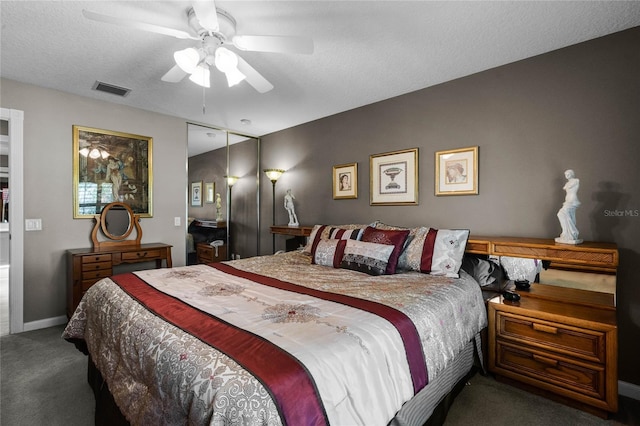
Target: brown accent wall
[{"x": 572, "y": 108}]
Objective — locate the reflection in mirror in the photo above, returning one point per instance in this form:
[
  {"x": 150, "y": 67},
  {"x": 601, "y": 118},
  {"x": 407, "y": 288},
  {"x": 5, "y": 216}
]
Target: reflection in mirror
[
  {"x": 117, "y": 221},
  {"x": 214, "y": 154}
]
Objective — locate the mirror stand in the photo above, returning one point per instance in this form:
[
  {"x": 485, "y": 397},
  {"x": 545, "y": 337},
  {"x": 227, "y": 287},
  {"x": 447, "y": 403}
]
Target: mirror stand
[{"x": 116, "y": 222}]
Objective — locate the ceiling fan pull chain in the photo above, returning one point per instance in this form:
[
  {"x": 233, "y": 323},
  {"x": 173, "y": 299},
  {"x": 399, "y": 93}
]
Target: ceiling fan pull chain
[{"x": 204, "y": 103}]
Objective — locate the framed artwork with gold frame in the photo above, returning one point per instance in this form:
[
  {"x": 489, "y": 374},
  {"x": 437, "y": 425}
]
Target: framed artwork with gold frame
[
  {"x": 345, "y": 181},
  {"x": 394, "y": 178},
  {"x": 110, "y": 166},
  {"x": 457, "y": 171}
]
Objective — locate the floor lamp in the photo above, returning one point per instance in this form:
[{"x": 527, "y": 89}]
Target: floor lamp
[
  {"x": 274, "y": 175},
  {"x": 231, "y": 180}
]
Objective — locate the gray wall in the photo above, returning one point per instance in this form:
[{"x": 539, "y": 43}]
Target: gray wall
[
  {"x": 573, "y": 108},
  {"x": 48, "y": 169}
]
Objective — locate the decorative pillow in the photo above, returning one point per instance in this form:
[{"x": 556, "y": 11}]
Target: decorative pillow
[
  {"x": 325, "y": 232},
  {"x": 395, "y": 238},
  {"x": 443, "y": 251},
  {"x": 329, "y": 253},
  {"x": 370, "y": 258}
]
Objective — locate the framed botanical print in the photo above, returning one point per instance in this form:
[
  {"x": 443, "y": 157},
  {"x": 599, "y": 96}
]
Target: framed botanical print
[
  {"x": 109, "y": 167},
  {"x": 196, "y": 194},
  {"x": 457, "y": 171},
  {"x": 345, "y": 181},
  {"x": 394, "y": 178}
]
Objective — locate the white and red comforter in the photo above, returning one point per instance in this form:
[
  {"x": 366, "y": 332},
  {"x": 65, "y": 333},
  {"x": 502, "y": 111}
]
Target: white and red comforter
[{"x": 272, "y": 340}]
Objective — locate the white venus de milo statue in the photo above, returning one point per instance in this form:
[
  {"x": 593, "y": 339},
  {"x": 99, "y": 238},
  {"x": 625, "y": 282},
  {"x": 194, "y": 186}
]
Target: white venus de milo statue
[{"x": 567, "y": 213}]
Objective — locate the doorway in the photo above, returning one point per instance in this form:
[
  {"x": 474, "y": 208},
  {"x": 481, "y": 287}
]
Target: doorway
[{"x": 11, "y": 221}]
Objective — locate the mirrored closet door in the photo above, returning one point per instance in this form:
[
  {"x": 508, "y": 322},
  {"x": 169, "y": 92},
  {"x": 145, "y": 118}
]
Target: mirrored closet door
[{"x": 223, "y": 197}]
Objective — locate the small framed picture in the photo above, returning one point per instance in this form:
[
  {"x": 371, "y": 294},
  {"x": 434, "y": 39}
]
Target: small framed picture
[
  {"x": 345, "y": 181},
  {"x": 394, "y": 178},
  {"x": 196, "y": 194},
  {"x": 209, "y": 192},
  {"x": 457, "y": 171}
]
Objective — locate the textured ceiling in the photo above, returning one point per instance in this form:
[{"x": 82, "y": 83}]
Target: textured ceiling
[{"x": 365, "y": 51}]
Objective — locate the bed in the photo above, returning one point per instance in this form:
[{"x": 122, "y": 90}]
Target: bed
[{"x": 294, "y": 338}]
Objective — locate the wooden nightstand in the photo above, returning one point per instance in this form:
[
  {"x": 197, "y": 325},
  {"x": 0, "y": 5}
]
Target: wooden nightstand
[
  {"x": 298, "y": 234},
  {"x": 208, "y": 254},
  {"x": 560, "y": 343}
]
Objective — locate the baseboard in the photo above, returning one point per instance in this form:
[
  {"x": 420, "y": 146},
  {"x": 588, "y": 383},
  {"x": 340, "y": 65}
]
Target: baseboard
[
  {"x": 44, "y": 323},
  {"x": 629, "y": 390}
]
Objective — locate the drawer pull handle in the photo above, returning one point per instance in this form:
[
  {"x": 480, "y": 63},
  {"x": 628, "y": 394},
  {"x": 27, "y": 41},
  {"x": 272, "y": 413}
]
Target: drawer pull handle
[
  {"x": 142, "y": 254},
  {"x": 545, "y": 328},
  {"x": 543, "y": 360}
]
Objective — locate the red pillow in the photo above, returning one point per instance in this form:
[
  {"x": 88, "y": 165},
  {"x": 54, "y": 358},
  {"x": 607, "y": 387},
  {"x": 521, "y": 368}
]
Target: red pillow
[{"x": 395, "y": 238}]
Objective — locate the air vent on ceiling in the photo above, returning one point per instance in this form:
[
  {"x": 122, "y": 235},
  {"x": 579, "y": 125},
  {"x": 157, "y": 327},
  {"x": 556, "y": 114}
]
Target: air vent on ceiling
[{"x": 110, "y": 88}]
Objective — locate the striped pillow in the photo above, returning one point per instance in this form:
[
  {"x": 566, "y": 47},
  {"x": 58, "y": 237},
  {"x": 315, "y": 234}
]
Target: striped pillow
[
  {"x": 370, "y": 258},
  {"x": 329, "y": 253}
]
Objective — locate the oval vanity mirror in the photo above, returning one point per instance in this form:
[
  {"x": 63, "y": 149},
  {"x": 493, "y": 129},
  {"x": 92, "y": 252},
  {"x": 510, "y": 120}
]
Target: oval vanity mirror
[{"x": 117, "y": 221}]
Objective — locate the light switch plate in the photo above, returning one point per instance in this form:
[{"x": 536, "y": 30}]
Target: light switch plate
[{"x": 33, "y": 224}]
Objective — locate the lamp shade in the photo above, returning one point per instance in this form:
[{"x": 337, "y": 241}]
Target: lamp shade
[
  {"x": 231, "y": 180},
  {"x": 187, "y": 59},
  {"x": 273, "y": 174},
  {"x": 201, "y": 76}
]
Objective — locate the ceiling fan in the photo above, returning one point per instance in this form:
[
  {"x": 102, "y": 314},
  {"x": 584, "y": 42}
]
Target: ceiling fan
[{"x": 215, "y": 29}]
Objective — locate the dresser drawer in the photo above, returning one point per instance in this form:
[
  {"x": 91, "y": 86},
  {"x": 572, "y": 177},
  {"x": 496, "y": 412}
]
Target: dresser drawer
[
  {"x": 140, "y": 255},
  {"x": 585, "y": 378},
  {"x": 88, "y": 283},
  {"x": 96, "y": 258},
  {"x": 96, "y": 275},
  {"x": 95, "y": 266},
  {"x": 586, "y": 344}
]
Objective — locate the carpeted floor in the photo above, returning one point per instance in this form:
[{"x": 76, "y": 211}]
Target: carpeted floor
[{"x": 43, "y": 382}]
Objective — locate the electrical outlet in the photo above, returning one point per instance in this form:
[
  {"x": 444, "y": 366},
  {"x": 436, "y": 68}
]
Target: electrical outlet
[
  {"x": 176, "y": 221},
  {"x": 237, "y": 256}
]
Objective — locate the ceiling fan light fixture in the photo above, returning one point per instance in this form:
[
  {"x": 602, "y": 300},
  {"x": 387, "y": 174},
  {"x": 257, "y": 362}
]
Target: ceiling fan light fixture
[
  {"x": 234, "y": 77},
  {"x": 226, "y": 60},
  {"x": 201, "y": 76},
  {"x": 187, "y": 59}
]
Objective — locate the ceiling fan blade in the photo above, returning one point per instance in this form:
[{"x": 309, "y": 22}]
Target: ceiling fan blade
[
  {"x": 206, "y": 14},
  {"x": 174, "y": 75},
  {"x": 275, "y": 44},
  {"x": 138, "y": 25},
  {"x": 254, "y": 78}
]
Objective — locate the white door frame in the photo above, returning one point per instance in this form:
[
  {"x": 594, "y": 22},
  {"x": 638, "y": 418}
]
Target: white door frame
[{"x": 16, "y": 218}]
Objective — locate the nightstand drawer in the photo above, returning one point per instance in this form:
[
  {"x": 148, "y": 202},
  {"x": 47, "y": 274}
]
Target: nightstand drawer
[
  {"x": 209, "y": 254},
  {"x": 586, "y": 344},
  {"x": 584, "y": 378},
  {"x": 141, "y": 255}
]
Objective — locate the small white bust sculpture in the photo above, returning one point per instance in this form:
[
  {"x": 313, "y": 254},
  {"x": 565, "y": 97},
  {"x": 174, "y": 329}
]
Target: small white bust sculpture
[
  {"x": 288, "y": 205},
  {"x": 567, "y": 213},
  {"x": 219, "y": 217}
]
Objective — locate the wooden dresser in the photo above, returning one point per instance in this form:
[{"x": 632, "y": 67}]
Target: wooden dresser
[
  {"x": 86, "y": 266},
  {"x": 560, "y": 342}
]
